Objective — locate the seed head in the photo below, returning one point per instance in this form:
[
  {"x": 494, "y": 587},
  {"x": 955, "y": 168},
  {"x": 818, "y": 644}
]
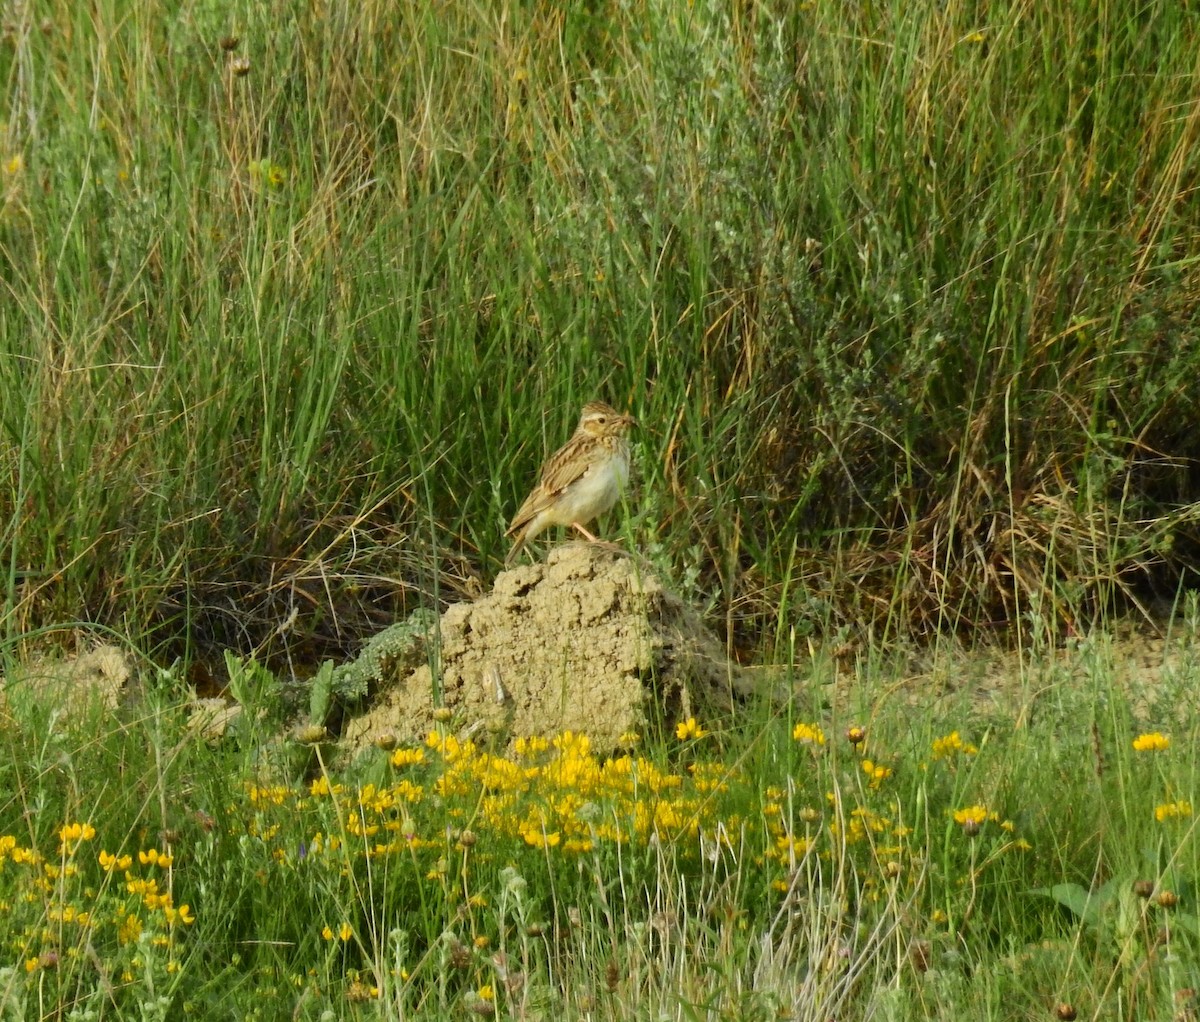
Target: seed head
[{"x": 311, "y": 734}]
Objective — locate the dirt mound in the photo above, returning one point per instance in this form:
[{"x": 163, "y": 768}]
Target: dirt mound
[
  {"x": 589, "y": 641},
  {"x": 98, "y": 679}
]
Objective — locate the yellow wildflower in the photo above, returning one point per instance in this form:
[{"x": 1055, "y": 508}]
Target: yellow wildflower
[
  {"x": 153, "y": 857},
  {"x": 1173, "y": 810},
  {"x": 408, "y": 757},
  {"x": 974, "y": 815},
  {"x": 1155, "y": 741},
  {"x": 949, "y": 745},
  {"x": 686, "y": 729},
  {"x": 536, "y": 835},
  {"x": 70, "y": 834},
  {"x": 110, "y": 862},
  {"x": 531, "y": 746},
  {"x": 810, "y": 734},
  {"x": 876, "y": 772},
  {"x": 129, "y": 930}
]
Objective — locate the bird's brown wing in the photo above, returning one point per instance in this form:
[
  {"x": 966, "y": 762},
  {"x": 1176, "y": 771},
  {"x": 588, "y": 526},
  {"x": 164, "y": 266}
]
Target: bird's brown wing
[
  {"x": 566, "y": 465},
  {"x": 536, "y": 502}
]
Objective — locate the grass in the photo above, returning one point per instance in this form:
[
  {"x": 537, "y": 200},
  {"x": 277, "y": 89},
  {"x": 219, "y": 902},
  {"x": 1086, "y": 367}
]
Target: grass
[
  {"x": 294, "y": 300},
  {"x": 889, "y": 859},
  {"x": 294, "y": 306}
]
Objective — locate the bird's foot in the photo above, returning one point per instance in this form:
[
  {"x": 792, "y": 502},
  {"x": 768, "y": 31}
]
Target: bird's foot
[{"x": 584, "y": 533}]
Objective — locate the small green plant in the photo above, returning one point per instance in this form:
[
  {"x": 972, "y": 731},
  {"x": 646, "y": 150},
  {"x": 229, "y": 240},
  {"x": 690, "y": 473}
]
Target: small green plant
[
  {"x": 256, "y": 690},
  {"x": 385, "y": 659}
]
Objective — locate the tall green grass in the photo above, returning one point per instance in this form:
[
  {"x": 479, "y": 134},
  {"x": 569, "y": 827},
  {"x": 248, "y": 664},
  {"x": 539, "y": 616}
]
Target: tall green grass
[{"x": 902, "y": 293}]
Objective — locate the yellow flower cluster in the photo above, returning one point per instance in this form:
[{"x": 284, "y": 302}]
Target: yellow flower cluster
[
  {"x": 408, "y": 757},
  {"x": 18, "y": 854},
  {"x": 1181, "y": 809},
  {"x": 275, "y": 795},
  {"x": 156, "y": 900},
  {"x": 551, "y": 794},
  {"x": 863, "y": 823},
  {"x": 71, "y": 835},
  {"x": 451, "y": 803},
  {"x": 110, "y": 862},
  {"x": 153, "y": 857},
  {"x": 976, "y": 815},
  {"x": 1155, "y": 741},
  {"x": 80, "y": 895},
  {"x": 343, "y": 933},
  {"x": 876, "y": 773},
  {"x": 808, "y": 734},
  {"x": 952, "y": 745}
]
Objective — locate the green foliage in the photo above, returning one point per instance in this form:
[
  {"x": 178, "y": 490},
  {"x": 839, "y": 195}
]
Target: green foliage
[
  {"x": 1117, "y": 910},
  {"x": 386, "y": 658},
  {"x": 320, "y": 696},
  {"x": 931, "y": 863},
  {"x": 295, "y": 304},
  {"x": 295, "y": 299}
]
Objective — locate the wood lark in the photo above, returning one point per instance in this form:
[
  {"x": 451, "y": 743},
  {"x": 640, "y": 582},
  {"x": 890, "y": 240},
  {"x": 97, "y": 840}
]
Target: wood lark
[{"x": 580, "y": 481}]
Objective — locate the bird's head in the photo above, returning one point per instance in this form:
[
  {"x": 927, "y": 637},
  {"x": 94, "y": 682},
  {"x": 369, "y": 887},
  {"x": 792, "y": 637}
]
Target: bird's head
[{"x": 599, "y": 419}]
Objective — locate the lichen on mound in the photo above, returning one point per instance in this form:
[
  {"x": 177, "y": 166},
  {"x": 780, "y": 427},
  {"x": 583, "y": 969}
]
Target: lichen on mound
[{"x": 589, "y": 641}]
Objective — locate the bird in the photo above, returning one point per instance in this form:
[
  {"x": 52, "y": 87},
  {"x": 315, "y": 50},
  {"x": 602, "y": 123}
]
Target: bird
[{"x": 580, "y": 481}]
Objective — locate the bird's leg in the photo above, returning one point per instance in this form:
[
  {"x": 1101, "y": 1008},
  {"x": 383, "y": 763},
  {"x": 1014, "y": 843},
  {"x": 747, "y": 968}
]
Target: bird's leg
[
  {"x": 612, "y": 548},
  {"x": 583, "y": 532}
]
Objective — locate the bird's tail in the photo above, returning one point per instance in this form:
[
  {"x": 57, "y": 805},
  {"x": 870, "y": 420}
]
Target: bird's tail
[{"x": 515, "y": 549}]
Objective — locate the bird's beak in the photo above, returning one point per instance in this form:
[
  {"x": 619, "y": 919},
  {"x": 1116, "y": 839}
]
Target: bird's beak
[{"x": 629, "y": 420}]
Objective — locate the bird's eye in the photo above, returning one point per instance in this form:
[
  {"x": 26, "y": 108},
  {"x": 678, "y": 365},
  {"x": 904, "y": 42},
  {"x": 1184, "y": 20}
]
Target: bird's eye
[{"x": 602, "y": 419}]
